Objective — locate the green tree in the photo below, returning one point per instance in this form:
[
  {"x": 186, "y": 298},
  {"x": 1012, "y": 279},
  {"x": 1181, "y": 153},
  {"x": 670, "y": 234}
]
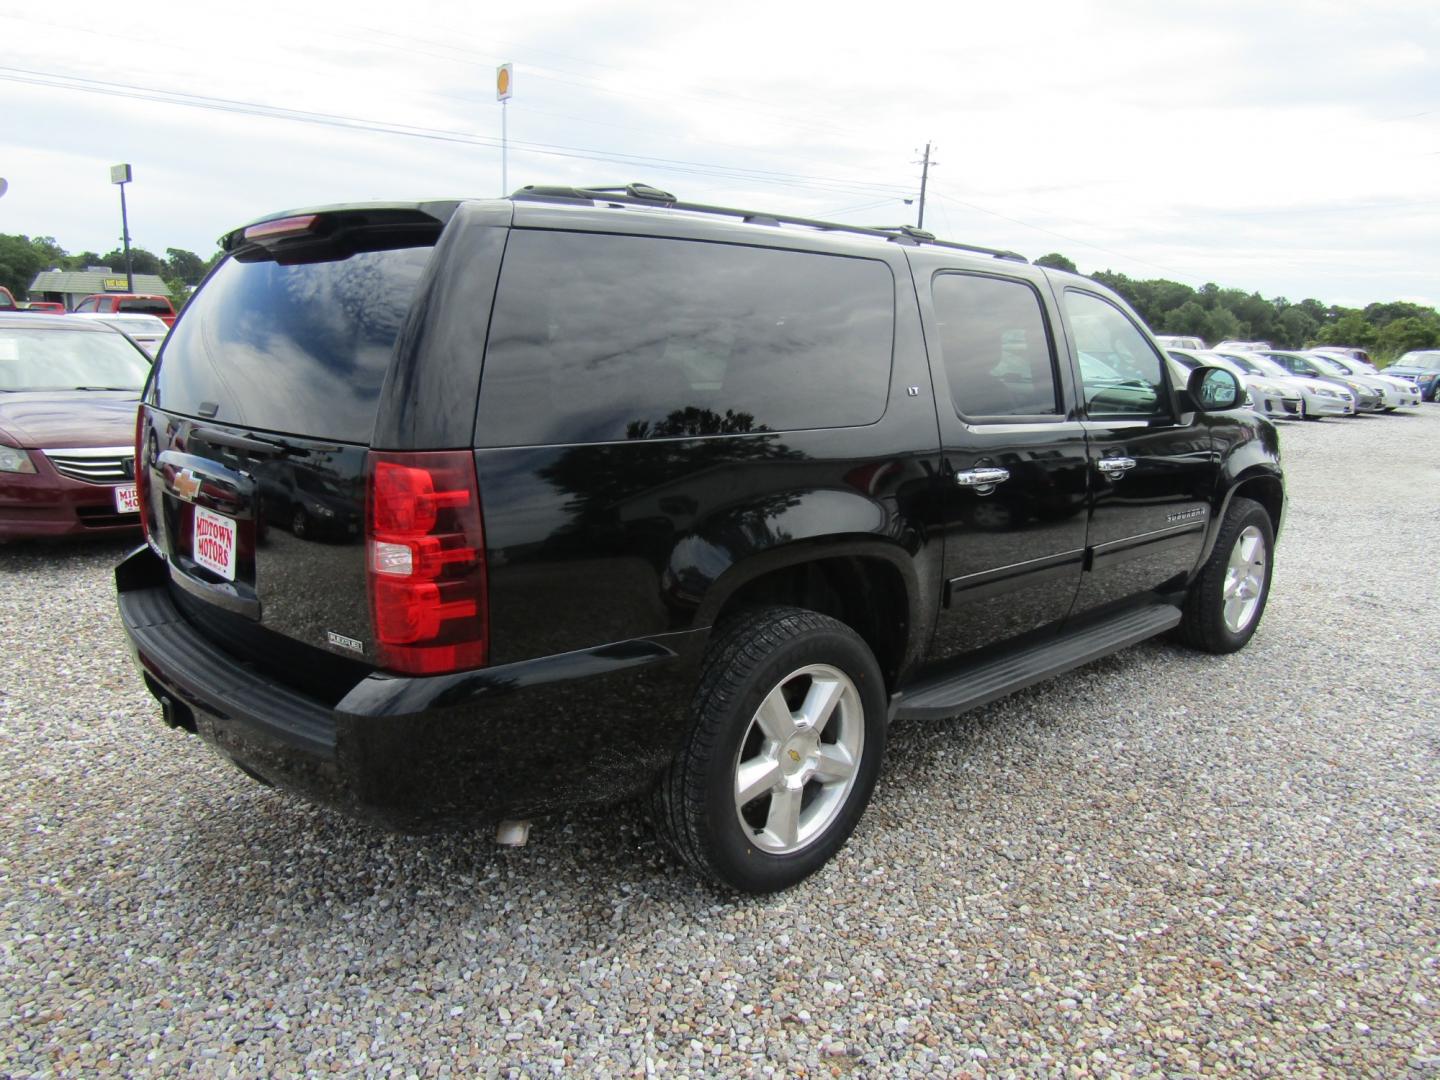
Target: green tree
[
  {"x": 1413, "y": 332},
  {"x": 141, "y": 261},
  {"x": 183, "y": 266},
  {"x": 1380, "y": 315},
  {"x": 1056, "y": 261},
  {"x": 20, "y": 261},
  {"x": 1220, "y": 325},
  {"x": 1294, "y": 328},
  {"x": 1187, "y": 320},
  {"x": 1350, "y": 329}
]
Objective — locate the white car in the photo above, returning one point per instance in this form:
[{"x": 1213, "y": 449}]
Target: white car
[
  {"x": 1319, "y": 398},
  {"x": 1406, "y": 393},
  {"x": 1241, "y": 346},
  {"x": 1171, "y": 341},
  {"x": 147, "y": 331},
  {"x": 1269, "y": 396}
]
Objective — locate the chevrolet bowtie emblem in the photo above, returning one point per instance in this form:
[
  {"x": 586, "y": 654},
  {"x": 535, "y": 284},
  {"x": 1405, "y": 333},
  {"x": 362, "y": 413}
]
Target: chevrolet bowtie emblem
[
  {"x": 794, "y": 755},
  {"x": 187, "y": 485}
]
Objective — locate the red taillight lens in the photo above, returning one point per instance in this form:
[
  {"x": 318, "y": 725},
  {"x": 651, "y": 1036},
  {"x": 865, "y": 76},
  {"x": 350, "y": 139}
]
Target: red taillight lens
[
  {"x": 425, "y": 562},
  {"x": 141, "y": 488},
  {"x": 289, "y": 226}
]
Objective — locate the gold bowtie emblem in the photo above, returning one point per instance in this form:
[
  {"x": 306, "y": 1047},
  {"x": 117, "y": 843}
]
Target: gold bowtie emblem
[{"x": 795, "y": 755}]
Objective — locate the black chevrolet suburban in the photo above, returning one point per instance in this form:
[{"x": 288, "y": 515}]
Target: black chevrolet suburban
[{"x": 471, "y": 510}]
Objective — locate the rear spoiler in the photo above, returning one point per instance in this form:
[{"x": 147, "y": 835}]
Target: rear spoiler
[{"x": 331, "y": 232}]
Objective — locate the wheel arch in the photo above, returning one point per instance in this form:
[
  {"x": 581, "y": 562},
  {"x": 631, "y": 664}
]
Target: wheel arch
[
  {"x": 1262, "y": 484},
  {"x": 869, "y": 585}
]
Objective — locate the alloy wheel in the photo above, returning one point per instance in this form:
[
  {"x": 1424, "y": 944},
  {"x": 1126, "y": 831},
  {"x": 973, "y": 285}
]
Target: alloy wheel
[{"x": 799, "y": 759}]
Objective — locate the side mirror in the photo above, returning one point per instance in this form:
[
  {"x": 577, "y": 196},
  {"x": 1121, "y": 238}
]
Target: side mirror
[{"x": 1214, "y": 389}]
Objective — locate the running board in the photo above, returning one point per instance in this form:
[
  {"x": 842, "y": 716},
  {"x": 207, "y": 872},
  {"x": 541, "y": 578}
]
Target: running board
[{"x": 973, "y": 685}]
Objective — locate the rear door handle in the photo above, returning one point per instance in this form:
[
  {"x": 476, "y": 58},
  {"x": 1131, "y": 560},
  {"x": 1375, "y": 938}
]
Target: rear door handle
[
  {"x": 982, "y": 481},
  {"x": 1116, "y": 467}
]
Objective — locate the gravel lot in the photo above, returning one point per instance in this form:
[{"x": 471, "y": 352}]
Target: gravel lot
[{"x": 1164, "y": 863}]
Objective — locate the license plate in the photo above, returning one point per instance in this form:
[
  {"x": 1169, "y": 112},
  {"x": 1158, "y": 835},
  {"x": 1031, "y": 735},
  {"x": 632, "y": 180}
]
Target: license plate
[
  {"x": 126, "y": 500},
  {"x": 215, "y": 542}
]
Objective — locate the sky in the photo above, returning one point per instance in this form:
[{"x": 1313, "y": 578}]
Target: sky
[{"x": 1290, "y": 149}]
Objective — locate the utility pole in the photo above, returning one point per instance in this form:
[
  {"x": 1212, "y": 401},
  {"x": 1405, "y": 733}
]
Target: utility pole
[
  {"x": 924, "y": 179},
  {"x": 504, "y": 91},
  {"x": 121, "y": 175}
]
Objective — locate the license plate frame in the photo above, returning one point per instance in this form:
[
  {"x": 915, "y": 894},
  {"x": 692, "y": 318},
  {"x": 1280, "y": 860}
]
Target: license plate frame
[
  {"x": 213, "y": 539},
  {"x": 127, "y": 499}
]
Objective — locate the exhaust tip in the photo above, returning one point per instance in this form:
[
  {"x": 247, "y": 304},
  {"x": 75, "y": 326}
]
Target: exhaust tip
[{"x": 512, "y": 833}]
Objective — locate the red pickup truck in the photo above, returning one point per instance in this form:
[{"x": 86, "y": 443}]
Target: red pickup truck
[
  {"x": 130, "y": 304},
  {"x": 7, "y": 301}
]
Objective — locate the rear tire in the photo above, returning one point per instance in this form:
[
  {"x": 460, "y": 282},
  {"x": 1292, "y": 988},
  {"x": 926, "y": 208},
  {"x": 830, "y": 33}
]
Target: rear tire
[
  {"x": 784, "y": 749},
  {"x": 1228, "y": 597}
]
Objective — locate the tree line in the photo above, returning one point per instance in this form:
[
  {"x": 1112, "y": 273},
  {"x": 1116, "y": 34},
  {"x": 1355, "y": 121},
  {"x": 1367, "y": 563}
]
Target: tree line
[
  {"x": 1384, "y": 329},
  {"x": 22, "y": 257}
]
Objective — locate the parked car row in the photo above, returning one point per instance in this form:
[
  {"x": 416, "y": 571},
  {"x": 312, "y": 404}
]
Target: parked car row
[{"x": 1287, "y": 384}]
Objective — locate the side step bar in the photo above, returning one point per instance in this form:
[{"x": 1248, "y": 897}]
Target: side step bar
[{"x": 976, "y": 684}]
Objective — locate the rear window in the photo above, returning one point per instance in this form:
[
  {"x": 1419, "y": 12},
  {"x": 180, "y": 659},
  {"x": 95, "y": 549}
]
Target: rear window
[
  {"x": 599, "y": 338},
  {"x": 147, "y": 307},
  {"x": 297, "y": 349}
]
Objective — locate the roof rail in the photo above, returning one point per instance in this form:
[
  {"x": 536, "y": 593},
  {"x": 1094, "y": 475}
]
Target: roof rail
[{"x": 645, "y": 195}]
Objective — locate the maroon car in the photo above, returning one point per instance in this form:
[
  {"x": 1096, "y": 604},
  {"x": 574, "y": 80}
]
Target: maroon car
[{"x": 68, "y": 394}]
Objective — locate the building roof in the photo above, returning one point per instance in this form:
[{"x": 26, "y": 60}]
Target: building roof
[{"x": 85, "y": 282}]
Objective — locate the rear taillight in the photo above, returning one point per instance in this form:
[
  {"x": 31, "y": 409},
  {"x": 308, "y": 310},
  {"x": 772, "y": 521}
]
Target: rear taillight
[
  {"x": 141, "y": 489},
  {"x": 425, "y": 562}
]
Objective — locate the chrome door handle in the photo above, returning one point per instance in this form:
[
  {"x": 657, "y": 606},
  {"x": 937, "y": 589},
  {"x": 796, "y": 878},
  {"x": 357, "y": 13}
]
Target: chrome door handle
[
  {"x": 1116, "y": 467},
  {"x": 982, "y": 480}
]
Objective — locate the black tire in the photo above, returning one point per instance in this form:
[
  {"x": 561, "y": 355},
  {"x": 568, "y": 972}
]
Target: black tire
[
  {"x": 1203, "y": 624},
  {"x": 695, "y": 803}
]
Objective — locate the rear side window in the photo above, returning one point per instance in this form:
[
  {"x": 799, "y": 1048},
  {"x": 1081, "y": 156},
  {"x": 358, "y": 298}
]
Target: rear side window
[
  {"x": 995, "y": 345},
  {"x": 146, "y": 307},
  {"x": 297, "y": 349},
  {"x": 599, "y": 338}
]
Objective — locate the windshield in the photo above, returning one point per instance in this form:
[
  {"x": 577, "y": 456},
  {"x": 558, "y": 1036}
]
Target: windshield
[
  {"x": 1347, "y": 366},
  {"x": 1328, "y": 364},
  {"x": 35, "y": 359}
]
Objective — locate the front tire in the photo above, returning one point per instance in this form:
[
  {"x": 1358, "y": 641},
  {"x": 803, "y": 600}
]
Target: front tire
[
  {"x": 784, "y": 749},
  {"x": 1228, "y": 597}
]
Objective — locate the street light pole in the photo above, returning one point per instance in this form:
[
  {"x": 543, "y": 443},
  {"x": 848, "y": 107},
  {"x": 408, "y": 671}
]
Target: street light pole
[{"x": 120, "y": 174}]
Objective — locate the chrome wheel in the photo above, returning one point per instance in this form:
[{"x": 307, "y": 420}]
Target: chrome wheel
[
  {"x": 1244, "y": 579},
  {"x": 799, "y": 758}
]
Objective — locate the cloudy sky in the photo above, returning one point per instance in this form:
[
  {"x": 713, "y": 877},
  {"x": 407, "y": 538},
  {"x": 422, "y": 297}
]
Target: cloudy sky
[{"x": 1287, "y": 148}]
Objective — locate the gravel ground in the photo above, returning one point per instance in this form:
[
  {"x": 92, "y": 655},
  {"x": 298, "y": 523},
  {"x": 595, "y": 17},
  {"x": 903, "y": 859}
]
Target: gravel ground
[{"x": 1163, "y": 864}]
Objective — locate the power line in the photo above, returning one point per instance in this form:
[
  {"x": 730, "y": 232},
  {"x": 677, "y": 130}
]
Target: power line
[{"x": 770, "y": 177}]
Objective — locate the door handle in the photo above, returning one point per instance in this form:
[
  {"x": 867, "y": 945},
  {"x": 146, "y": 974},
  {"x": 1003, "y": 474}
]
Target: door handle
[
  {"x": 983, "y": 481},
  {"x": 1116, "y": 467}
]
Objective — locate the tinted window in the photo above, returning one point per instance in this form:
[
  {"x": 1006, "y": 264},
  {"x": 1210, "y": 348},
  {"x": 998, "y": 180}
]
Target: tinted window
[
  {"x": 1120, "y": 372},
  {"x": 146, "y": 307},
  {"x": 598, "y": 338},
  {"x": 298, "y": 349},
  {"x": 996, "y": 349}
]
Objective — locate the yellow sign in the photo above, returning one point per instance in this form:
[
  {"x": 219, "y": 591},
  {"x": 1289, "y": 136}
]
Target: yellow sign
[
  {"x": 504, "y": 82},
  {"x": 115, "y": 283}
]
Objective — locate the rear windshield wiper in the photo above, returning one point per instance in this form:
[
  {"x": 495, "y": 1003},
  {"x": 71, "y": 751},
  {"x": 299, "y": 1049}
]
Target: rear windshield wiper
[{"x": 135, "y": 388}]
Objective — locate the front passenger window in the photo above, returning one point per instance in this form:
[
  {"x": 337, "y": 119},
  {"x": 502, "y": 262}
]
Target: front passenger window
[{"x": 1119, "y": 371}]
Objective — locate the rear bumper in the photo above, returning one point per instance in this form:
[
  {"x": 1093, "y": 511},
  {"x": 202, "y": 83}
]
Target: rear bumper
[
  {"x": 417, "y": 754},
  {"x": 44, "y": 503}
]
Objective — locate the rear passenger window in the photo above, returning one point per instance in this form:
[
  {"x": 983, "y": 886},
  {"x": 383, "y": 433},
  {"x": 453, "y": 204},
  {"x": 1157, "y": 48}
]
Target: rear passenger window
[
  {"x": 599, "y": 338},
  {"x": 996, "y": 347}
]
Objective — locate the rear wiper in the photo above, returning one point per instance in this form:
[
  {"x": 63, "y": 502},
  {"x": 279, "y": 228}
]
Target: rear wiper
[{"x": 136, "y": 389}]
